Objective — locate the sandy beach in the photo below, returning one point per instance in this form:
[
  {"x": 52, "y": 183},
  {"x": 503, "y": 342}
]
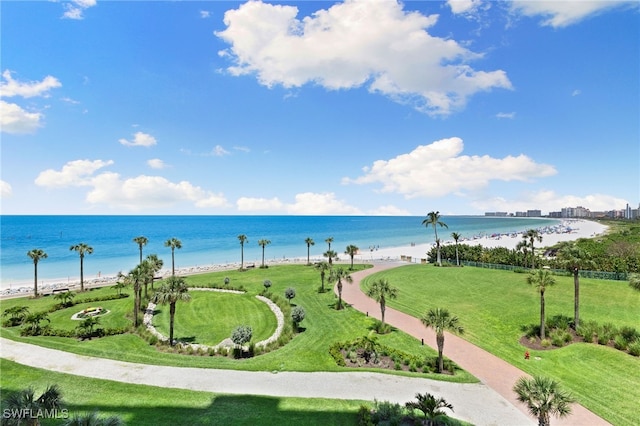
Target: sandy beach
[{"x": 567, "y": 230}]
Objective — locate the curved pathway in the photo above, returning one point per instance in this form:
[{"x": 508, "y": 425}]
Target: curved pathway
[{"x": 492, "y": 371}]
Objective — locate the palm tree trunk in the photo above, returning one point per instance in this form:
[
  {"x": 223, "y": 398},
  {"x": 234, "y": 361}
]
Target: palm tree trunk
[
  {"x": 440, "y": 342},
  {"x": 382, "y": 309},
  {"x": 81, "y": 273},
  {"x": 263, "y": 256},
  {"x": 242, "y": 256},
  {"x": 339, "y": 294},
  {"x": 136, "y": 308},
  {"x": 542, "y": 334},
  {"x": 173, "y": 263},
  {"x": 576, "y": 298},
  {"x": 457, "y": 256},
  {"x": 172, "y": 314},
  {"x": 35, "y": 279}
]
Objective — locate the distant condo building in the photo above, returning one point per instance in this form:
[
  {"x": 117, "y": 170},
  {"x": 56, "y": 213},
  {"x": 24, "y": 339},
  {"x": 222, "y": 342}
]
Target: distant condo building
[{"x": 575, "y": 213}]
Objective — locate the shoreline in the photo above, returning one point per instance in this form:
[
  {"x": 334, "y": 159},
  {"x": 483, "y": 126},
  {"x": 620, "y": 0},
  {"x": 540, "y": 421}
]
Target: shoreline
[{"x": 567, "y": 230}]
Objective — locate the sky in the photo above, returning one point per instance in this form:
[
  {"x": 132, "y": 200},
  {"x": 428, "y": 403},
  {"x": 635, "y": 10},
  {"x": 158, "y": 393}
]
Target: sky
[{"x": 360, "y": 107}]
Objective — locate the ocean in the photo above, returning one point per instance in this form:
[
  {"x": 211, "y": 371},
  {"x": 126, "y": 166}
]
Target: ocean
[{"x": 208, "y": 240}]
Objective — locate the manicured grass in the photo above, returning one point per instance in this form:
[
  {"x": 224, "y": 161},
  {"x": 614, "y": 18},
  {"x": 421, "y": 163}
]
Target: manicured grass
[
  {"x": 210, "y": 317},
  {"x": 493, "y": 305},
  {"x": 115, "y": 318},
  {"x": 307, "y": 351},
  {"x": 146, "y": 405}
]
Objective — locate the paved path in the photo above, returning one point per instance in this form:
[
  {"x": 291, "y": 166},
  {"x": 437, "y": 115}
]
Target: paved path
[{"x": 497, "y": 374}]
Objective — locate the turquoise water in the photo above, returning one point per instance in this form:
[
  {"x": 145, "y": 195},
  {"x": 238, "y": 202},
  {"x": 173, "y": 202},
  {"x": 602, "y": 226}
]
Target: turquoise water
[{"x": 210, "y": 240}]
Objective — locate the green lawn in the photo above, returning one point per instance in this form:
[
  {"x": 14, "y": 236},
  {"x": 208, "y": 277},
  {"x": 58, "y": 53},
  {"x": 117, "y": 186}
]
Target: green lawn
[
  {"x": 308, "y": 351},
  {"x": 145, "y": 405},
  {"x": 492, "y": 306},
  {"x": 211, "y": 317}
]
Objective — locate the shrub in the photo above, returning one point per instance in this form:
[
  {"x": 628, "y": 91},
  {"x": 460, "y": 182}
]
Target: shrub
[
  {"x": 620, "y": 343},
  {"x": 335, "y": 353},
  {"x": 559, "y": 337},
  {"x": 634, "y": 348},
  {"x": 297, "y": 315},
  {"x": 531, "y": 330},
  {"x": 365, "y": 417},
  {"x": 290, "y": 293},
  {"x": 561, "y": 322},
  {"x": 545, "y": 343},
  {"x": 606, "y": 333},
  {"x": 587, "y": 330},
  {"x": 629, "y": 334},
  {"x": 389, "y": 412},
  {"x": 241, "y": 335}
]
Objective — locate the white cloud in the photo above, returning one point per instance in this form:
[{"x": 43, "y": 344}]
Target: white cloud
[
  {"x": 337, "y": 49},
  {"x": 307, "y": 203},
  {"x": 219, "y": 151},
  {"x": 576, "y": 92},
  {"x": 563, "y": 13},
  {"x": 510, "y": 115},
  {"x": 139, "y": 139},
  {"x": 10, "y": 87},
  {"x": 205, "y": 14},
  {"x": 5, "y": 189},
  {"x": 75, "y": 8},
  {"x": 438, "y": 169},
  {"x": 74, "y": 173},
  {"x": 148, "y": 192},
  {"x": 156, "y": 163},
  {"x": 15, "y": 120},
  {"x": 389, "y": 210},
  {"x": 548, "y": 201},
  {"x": 463, "y": 6}
]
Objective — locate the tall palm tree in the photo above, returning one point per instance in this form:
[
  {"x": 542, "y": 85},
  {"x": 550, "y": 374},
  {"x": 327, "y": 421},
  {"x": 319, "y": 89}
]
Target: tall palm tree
[
  {"x": 243, "y": 239},
  {"x": 36, "y": 255},
  {"x": 433, "y": 219},
  {"x": 523, "y": 245},
  {"x": 575, "y": 258},
  {"x": 324, "y": 268},
  {"x": 174, "y": 243},
  {"x": 340, "y": 275},
  {"x": 141, "y": 241},
  {"x": 541, "y": 280},
  {"x": 137, "y": 277},
  {"x": 26, "y": 405},
  {"x": 172, "y": 291},
  {"x": 329, "y": 241},
  {"x": 351, "y": 250},
  {"x": 309, "y": 241},
  {"x": 263, "y": 243},
  {"x": 456, "y": 237},
  {"x": 331, "y": 255},
  {"x": 441, "y": 320},
  {"x": 531, "y": 236},
  {"x": 544, "y": 397},
  {"x": 82, "y": 249},
  {"x": 380, "y": 291}
]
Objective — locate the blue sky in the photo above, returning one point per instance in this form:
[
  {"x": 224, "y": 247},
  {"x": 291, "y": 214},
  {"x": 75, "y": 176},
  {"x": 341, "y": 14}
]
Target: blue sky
[{"x": 356, "y": 107}]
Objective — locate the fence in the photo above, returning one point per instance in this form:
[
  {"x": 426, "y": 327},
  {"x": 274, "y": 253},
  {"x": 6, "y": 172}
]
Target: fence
[{"x": 598, "y": 275}]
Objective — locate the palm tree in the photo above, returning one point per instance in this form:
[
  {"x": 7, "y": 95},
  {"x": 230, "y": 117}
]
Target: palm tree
[
  {"x": 82, "y": 249},
  {"x": 523, "y": 245},
  {"x": 263, "y": 243},
  {"x": 85, "y": 328},
  {"x": 544, "y": 397},
  {"x": 137, "y": 277},
  {"x": 65, "y": 297},
  {"x": 323, "y": 267},
  {"x": 309, "y": 241},
  {"x": 25, "y": 406},
  {"x": 36, "y": 255},
  {"x": 16, "y": 314},
  {"x": 431, "y": 407},
  {"x": 141, "y": 241},
  {"x": 331, "y": 255},
  {"x": 243, "y": 239},
  {"x": 92, "y": 419},
  {"x": 456, "y": 237},
  {"x": 574, "y": 258},
  {"x": 441, "y": 320},
  {"x": 34, "y": 320},
  {"x": 174, "y": 243},
  {"x": 339, "y": 275},
  {"x": 155, "y": 264},
  {"x": 531, "y": 236},
  {"x": 541, "y": 280},
  {"x": 329, "y": 241},
  {"x": 433, "y": 219},
  {"x": 173, "y": 290},
  {"x": 351, "y": 250},
  {"x": 380, "y": 290}
]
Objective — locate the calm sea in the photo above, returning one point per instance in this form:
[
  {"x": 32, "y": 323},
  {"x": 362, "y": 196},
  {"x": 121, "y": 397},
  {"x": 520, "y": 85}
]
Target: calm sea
[{"x": 209, "y": 240}]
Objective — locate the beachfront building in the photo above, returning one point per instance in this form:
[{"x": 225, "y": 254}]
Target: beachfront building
[{"x": 576, "y": 212}]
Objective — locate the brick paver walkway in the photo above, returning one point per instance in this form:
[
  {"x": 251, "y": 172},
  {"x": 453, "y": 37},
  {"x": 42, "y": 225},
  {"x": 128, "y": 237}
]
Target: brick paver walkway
[{"x": 491, "y": 370}]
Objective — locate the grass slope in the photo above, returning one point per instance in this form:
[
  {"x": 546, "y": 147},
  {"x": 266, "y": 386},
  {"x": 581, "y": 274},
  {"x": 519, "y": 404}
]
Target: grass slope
[{"x": 493, "y": 305}]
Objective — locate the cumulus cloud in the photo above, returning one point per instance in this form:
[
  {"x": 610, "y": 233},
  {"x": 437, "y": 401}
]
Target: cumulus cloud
[
  {"x": 463, "y": 6},
  {"x": 15, "y": 120},
  {"x": 204, "y": 14},
  {"x": 138, "y": 193},
  {"x": 547, "y": 201},
  {"x": 139, "y": 139},
  {"x": 560, "y": 14},
  {"x": 10, "y": 87},
  {"x": 510, "y": 115},
  {"x": 219, "y": 151},
  {"x": 337, "y": 49},
  {"x": 74, "y": 173},
  {"x": 307, "y": 203},
  {"x": 74, "y": 9},
  {"x": 156, "y": 163},
  {"x": 5, "y": 189},
  {"x": 439, "y": 169}
]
